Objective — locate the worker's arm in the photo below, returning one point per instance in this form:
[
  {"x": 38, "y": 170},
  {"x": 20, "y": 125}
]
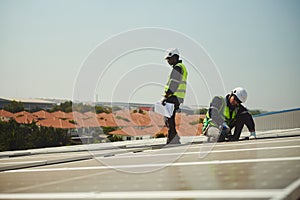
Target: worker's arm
[
  {"x": 216, "y": 110},
  {"x": 175, "y": 79}
]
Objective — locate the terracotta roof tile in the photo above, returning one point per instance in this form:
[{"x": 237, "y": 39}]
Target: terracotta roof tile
[
  {"x": 150, "y": 123},
  {"x": 188, "y": 130},
  {"x": 24, "y": 117},
  {"x": 140, "y": 119},
  {"x": 130, "y": 131},
  {"x": 90, "y": 122},
  {"x": 62, "y": 115},
  {"x": 6, "y": 114},
  {"x": 153, "y": 130},
  {"x": 156, "y": 119},
  {"x": 56, "y": 123},
  {"x": 77, "y": 115},
  {"x": 107, "y": 119},
  {"x": 90, "y": 114},
  {"x": 42, "y": 114}
]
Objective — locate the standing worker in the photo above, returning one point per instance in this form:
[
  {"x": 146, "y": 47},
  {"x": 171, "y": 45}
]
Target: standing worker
[
  {"x": 175, "y": 90},
  {"x": 227, "y": 113}
]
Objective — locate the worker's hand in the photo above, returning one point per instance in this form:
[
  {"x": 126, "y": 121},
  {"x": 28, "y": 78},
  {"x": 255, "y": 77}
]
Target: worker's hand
[
  {"x": 224, "y": 128},
  {"x": 164, "y": 101}
]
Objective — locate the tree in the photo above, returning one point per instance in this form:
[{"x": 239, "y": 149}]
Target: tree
[
  {"x": 14, "y": 107},
  {"x": 199, "y": 121},
  {"x": 160, "y": 135},
  {"x": 108, "y": 129},
  {"x": 69, "y": 106},
  {"x": 103, "y": 109},
  {"x": 65, "y": 107},
  {"x": 255, "y": 112},
  {"x": 15, "y": 136},
  {"x": 114, "y": 138},
  {"x": 201, "y": 111}
]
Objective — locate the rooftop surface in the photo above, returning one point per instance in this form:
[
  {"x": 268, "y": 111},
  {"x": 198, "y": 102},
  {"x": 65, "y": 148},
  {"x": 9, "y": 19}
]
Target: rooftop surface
[{"x": 266, "y": 168}]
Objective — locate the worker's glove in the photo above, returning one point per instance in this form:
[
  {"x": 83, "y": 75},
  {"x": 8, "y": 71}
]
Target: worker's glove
[
  {"x": 252, "y": 135},
  {"x": 224, "y": 128},
  {"x": 164, "y": 101}
]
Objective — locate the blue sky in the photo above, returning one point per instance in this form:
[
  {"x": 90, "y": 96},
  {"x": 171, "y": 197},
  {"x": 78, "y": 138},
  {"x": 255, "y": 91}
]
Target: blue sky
[{"x": 254, "y": 44}]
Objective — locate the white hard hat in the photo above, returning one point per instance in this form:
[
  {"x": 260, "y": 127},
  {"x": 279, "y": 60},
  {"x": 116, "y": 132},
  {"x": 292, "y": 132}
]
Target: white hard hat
[
  {"x": 172, "y": 52},
  {"x": 240, "y": 93}
]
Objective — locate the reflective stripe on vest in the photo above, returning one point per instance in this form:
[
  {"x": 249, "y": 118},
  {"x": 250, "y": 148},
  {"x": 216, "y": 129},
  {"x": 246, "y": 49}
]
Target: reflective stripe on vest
[
  {"x": 224, "y": 111},
  {"x": 208, "y": 120},
  {"x": 181, "y": 90}
]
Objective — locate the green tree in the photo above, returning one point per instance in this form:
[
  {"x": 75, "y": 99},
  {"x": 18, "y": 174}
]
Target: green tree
[
  {"x": 65, "y": 107},
  {"x": 108, "y": 129},
  {"x": 114, "y": 138},
  {"x": 201, "y": 111},
  {"x": 160, "y": 135},
  {"x": 15, "y": 136},
  {"x": 69, "y": 106},
  {"x": 14, "y": 107},
  {"x": 199, "y": 121},
  {"x": 103, "y": 109}
]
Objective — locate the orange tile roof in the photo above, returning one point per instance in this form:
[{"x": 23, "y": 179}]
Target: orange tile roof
[
  {"x": 90, "y": 114},
  {"x": 119, "y": 132},
  {"x": 56, "y": 123},
  {"x": 122, "y": 118},
  {"x": 153, "y": 130},
  {"x": 62, "y": 115},
  {"x": 22, "y": 113},
  {"x": 105, "y": 119},
  {"x": 130, "y": 131},
  {"x": 77, "y": 115},
  {"x": 24, "y": 117},
  {"x": 187, "y": 130},
  {"x": 150, "y": 122},
  {"x": 140, "y": 119},
  {"x": 42, "y": 114},
  {"x": 89, "y": 122},
  {"x": 136, "y": 119},
  {"x": 156, "y": 119},
  {"x": 156, "y": 124},
  {"x": 4, "y": 113},
  {"x": 148, "y": 118}
]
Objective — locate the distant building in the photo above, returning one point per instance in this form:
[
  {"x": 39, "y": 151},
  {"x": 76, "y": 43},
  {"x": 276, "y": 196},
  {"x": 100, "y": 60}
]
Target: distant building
[{"x": 29, "y": 104}]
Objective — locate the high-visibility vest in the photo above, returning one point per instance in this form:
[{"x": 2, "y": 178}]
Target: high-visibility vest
[
  {"x": 224, "y": 112},
  {"x": 181, "y": 90}
]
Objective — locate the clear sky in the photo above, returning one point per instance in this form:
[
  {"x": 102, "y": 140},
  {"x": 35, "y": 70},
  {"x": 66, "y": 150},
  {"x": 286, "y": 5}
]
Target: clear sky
[{"x": 253, "y": 43}]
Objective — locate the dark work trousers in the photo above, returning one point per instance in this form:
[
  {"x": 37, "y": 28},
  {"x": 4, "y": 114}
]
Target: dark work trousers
[
  {"x": 173, "y": 137},
  {"x": 241, "y": 120}
]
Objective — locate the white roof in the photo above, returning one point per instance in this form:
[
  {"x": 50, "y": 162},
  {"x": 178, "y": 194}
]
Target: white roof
[{"x": 28, "y": 100}]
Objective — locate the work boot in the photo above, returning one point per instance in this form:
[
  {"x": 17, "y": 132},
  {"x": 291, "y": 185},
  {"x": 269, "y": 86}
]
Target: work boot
[
  {"x": 252, "y": 136},
  {"x": 175, "y": 140}
]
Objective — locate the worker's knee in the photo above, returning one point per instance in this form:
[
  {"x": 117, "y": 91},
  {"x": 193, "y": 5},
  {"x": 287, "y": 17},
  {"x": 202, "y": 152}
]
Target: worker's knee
[{"x": 213, "y": 134}]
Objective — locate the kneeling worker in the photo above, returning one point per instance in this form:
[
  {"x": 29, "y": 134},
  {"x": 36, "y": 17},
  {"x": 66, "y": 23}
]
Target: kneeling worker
[{"x": 227, "y": 113}]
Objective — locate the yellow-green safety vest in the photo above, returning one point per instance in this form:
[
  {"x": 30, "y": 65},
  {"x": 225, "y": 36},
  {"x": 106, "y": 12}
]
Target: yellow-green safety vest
[
  {"x": 225, "y": 115},
  {"x": 181, "y": 90}
]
